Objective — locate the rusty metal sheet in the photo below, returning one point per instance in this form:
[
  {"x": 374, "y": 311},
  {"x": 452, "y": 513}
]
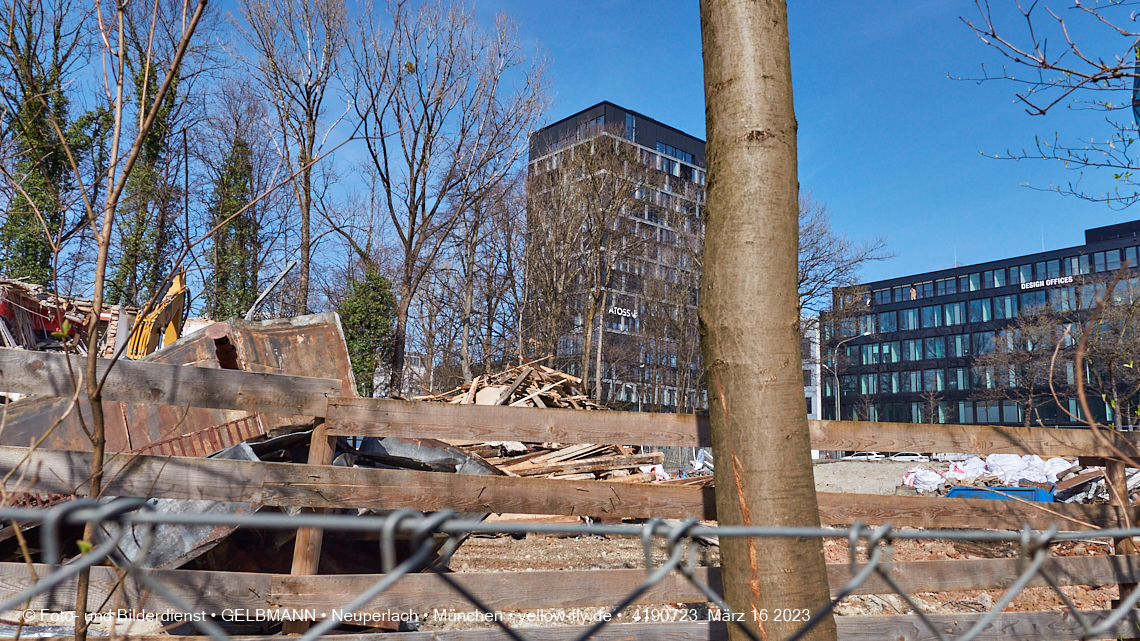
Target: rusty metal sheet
[{"x": 304, "y": 346}]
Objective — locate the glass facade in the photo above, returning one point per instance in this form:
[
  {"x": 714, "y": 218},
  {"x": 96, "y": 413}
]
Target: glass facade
[{"x": 928, "y": 330}]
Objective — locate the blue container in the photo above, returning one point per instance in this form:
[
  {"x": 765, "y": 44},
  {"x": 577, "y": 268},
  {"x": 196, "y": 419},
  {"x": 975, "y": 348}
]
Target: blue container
[{"x": 1034, "y": 494}]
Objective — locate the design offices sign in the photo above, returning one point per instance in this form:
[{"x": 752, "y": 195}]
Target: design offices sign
[{"x": 1035, "y": 284}]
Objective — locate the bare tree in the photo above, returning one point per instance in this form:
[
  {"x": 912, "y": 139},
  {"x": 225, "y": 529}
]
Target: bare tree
[
  {"x": 298, "y": 44},
  {"x": 1100, "y": 74},
  {"x": 1112, "y": 347},
  {"x": 590, "y": 191},
  {"x": 1020, "y": 364},
  {"x": 445, "y": 108},
  {"x": 827, "y": 258},
  {"x": 750, "y": 325}
]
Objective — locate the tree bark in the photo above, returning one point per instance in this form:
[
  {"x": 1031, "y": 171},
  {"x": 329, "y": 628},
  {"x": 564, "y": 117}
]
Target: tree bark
[
  {"x": 598, "y": 358},
  {"x": 748, "y": 321}
]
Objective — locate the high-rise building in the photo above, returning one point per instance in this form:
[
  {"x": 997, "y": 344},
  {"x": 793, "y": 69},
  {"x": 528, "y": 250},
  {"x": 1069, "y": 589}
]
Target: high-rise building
[
  {"x": 911, "y": 351},
  {"x": 651, "y": 353}
]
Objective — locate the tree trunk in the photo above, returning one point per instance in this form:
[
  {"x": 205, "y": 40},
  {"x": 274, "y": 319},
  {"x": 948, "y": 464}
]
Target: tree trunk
[
  {"x": 601, "y": 336},
  {"x": 306, "y": 205},
  {"x": 399, "y": 338},
  {"x": 748, "y": 321},
  {"x": 587, "y": 343}
]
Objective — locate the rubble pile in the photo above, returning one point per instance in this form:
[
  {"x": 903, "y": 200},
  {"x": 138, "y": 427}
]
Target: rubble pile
[
  {"x": 531, "y": 385},
  {"x": 1068, "y": 481},
  {"x": 535, "y": 385}
]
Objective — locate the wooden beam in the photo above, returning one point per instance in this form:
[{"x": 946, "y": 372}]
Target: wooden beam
[
  {"x": 284, "y": 484},
  {"x": 46, "y": 373},
  {"x": 979, "y": 440},
  {"x": 307, "y": 544},
  {"x": 349, "y": 416},
  {"x": 596, "y": 464},
  {"x": 211, "y": 592},
  {"x": 380, "y": 417}
]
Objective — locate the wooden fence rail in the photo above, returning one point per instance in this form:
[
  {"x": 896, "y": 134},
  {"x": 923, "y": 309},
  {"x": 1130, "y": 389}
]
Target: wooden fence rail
[
  {"x": 133, "y": 381},
  {"x": 326, "y": 486}
]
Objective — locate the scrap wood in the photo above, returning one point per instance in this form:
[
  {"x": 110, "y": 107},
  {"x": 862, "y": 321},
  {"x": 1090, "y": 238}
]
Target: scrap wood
[{"x": 597, "y": 464}]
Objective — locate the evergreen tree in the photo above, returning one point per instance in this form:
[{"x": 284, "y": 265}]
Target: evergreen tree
[
  {"x": 368, "y": 317},
  {"x": 37, "y": 56},
  {"x": 148, "y": 231},
  {"x": 233, "y": 286}
]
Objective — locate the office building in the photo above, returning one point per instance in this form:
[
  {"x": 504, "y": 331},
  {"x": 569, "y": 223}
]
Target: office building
[
  {"x": 650, "y": 358},
  {"x": 910, "y": 351}
]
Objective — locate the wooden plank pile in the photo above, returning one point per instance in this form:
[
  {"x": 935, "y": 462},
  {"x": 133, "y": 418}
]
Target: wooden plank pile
[
  {"x": 535, "y": 385},
  {"x": 531, "y": 385}
]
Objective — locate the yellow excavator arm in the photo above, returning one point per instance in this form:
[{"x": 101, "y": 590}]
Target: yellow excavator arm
[{"x": 164, "y": 323}]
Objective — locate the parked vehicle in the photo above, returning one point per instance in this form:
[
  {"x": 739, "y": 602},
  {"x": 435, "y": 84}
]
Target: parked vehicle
[
  {"x": 864, "y": 456},
  {"x": 950, "y": 456},
  {"x": 910, "y": 456}
]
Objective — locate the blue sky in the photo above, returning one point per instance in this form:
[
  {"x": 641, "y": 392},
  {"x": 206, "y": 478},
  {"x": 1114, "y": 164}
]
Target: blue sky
[{"x": 886, "y": 139}]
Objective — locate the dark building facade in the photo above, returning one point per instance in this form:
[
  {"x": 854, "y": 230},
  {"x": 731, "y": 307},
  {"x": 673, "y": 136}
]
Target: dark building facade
[
  {"x": 641, "y": 367},
  {"x": 909, "y": 352}
]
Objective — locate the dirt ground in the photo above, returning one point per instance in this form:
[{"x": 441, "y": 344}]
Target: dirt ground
[
  {"x": 505, "y": 554},
  {"x": 537, "y": 553}
]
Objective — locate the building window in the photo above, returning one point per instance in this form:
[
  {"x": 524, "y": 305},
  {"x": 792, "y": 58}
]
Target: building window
[
  {"x": 955, "y": 314},
  {"x": 932, "y": 316},
  {"x": 871, "y": 354},
  {"x": 988, "y": 279},
  {"x": 911, "y": 381},
  {"x": 945, "y": 286},
  {"x": 934, "y": 347},
  {"x": 1005, "y": 307},
  {"x": 966, "y": 411},
  {"x": 933, "y": 380},
  {"x": 867, "y": 383},
  {"x": 999, "y": 277},
  {"x": 958, "y": 378},
  {"x": 889, "y": 383},
  {"x": 1053, "y": 269},
  {"x": 808, "y": 399},
  {"x": 1064, "y": 299},
  {"x": 908, "y": 318},
  {"x": 1112, "y": 260},
  {"x": 981, "y": 311},
  {"x": 1011, "y": 412},
  {"x": 959, "y": 345},
  {"x": 987, "y": 412},
  {"x": 912, "y": 350},
  {"x": 888, "y": 322},
  {"x": 630, "y": 127},
  {"x": 807, "y": 379},
  {"x": 891, "y": 353},
  {"x": 1129, "y": 255},
  {"x": 1032, "y": 302},
  {"x": 975, "y": 282},
  {"x": 867, "y": 324},
  {"x": 982, "y": 342}
]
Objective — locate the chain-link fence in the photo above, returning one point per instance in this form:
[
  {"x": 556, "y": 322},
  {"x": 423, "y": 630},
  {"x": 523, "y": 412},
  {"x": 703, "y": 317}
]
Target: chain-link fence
[{"x": 870, "y": 556}]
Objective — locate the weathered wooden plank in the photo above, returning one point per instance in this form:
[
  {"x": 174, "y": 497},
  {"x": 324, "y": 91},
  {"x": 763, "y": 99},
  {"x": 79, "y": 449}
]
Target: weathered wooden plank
[
  {"x": 379, "y": 417},
  {"x": 47, "y": 374},
  {"x": 974, "y": 439},
  {"x": 280, "y": 484}
]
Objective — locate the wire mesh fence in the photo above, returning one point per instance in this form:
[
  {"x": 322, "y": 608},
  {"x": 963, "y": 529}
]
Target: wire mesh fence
[{"x": 122, "y": 518}]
